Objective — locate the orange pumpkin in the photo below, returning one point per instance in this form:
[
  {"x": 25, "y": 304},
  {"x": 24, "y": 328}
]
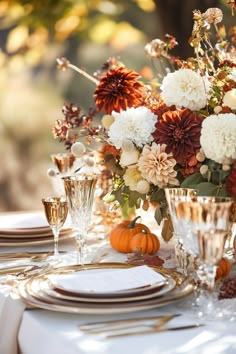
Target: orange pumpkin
[
  {"x": 223, "y": 269},
  {"x": 145, "y": 242},
  {"x": 122, "y": 234}
]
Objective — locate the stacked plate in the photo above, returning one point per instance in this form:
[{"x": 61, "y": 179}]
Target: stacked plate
[
  {"x": 66, "y": 291},
  {"x": 20, "y": 229}
]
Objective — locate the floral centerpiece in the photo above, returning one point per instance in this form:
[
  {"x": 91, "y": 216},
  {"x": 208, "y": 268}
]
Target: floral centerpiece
[{"x": 174, "y": 130}]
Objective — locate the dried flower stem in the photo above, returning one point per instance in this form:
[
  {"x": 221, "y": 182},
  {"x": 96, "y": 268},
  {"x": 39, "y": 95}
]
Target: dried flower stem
[{"x": 82, "y": 72}]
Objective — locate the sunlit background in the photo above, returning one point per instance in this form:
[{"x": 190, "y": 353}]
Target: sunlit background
[{"x": 32, "y": 91}]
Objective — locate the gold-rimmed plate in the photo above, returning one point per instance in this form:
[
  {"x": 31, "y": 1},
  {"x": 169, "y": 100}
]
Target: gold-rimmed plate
[
  {"x": 27, "y": 235},
  {"x": 33, "y": 241},
  {"x": 33, "y": 294},
  {"x": 59, "y": 283},
  {"x": 150, "y": 293}
]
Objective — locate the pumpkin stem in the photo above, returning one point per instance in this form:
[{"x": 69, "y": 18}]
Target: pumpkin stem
[{"x": 132, "y": 223}]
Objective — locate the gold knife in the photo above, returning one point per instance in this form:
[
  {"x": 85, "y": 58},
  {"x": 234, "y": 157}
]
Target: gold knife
[
  {"x": 154, "y": 330},
  {"x": 99, "y": 325}
]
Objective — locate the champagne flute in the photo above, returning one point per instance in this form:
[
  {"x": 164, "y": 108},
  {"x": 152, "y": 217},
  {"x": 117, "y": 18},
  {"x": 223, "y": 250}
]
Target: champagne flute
[
  {"x": 80, "y": 190},
  {"x": 56, "y": 210}
]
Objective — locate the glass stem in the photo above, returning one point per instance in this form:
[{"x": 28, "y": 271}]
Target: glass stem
[
  {"x": 80, "y": 245},
  {"x": 56, "y": 231},
  {"x": 206, "y": 274}
]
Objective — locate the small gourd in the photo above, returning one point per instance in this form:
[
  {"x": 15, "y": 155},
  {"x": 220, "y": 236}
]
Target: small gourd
[
  {"x": 145, "y": 242},
  {"x": 122, "y": 234},
  {"x": 223, "y": 269}
]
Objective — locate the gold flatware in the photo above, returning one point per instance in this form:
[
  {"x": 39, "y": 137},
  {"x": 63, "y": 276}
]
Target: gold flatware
[
  {"x": 33, "y": 256},
  {"x": 154, "y": 330},
  {"x": 127, "y": 323}
]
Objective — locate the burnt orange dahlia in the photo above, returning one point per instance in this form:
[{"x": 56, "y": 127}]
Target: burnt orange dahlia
[
  {"x": 180, "y": 131},
  {"x": 118, "y": 89},
  {"x": 231, "y": 183}
]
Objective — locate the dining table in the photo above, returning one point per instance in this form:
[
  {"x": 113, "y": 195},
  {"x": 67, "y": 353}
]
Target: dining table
[{"x": 27, "y": 329}]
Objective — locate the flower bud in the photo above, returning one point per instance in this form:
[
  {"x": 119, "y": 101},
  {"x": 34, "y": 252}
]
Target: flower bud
[
  {"x": 89, "y": 161},
  {"x": 51, "y": 172},
  {"x": 229, "y": 99},
  {"x": 143, "y": 187},
  {"x": 225, "y": 167},
  {"x": 200, "y": 156},
  {"x": 109, "y": 198},
  {"x": 78, "y": 149},
  {"x": 107, "y": 121},
  {"x": 203, "y": 170},
  {"x": 217, "y": 109},
  {"x": 127, "y": 145},
  {"x": 129, "y": 158}
]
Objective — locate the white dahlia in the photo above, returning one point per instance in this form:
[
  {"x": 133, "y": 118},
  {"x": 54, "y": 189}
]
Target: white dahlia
[
  {"x": 157, "y": 166},
  {"x": 185, "y": 88},
  {"x": 134, "y": 124},
  {"x": 218, "y": 137}
]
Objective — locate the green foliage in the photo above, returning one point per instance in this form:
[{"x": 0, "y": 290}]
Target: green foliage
[
  {"x": 192, "y": 181},
  {"x": 160, "y": 212}
]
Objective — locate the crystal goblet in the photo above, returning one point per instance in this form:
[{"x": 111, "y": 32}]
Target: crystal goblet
[
  {"x": 184, "y": 260},
  {"x": 79, "y": 191},
  {"x": 206, "y": 221},
  {"x": 56, "y": 210}
]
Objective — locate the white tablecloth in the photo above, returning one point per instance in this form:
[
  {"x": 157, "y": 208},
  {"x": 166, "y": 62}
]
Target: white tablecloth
[{"x": 48, "y": 332}]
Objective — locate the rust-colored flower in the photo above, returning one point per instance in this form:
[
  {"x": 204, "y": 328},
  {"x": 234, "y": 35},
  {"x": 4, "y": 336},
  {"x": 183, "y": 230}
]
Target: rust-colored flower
[
  {"x": 118, "y": 89},
  {"x": 231, "y": 183},
  {"x": 180, "y": 131}
]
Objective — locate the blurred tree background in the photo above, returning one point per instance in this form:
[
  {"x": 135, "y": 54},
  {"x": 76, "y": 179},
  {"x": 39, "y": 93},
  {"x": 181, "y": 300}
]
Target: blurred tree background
[{"x": 32, "y": 92}]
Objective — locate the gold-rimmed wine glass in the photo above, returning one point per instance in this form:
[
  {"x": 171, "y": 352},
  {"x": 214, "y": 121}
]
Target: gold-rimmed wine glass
[
  {"x": 56, "y": 210},
  {"x": 206, "y": 221},
  {"x": 79, "y": 191}
]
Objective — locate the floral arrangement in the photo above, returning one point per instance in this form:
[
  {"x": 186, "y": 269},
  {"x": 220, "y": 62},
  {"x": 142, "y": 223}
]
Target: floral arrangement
[{"x": 173, "y": 130}]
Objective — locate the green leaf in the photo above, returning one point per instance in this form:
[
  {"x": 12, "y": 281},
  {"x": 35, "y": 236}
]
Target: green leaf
[
  {"x": 158, "y": 196},
  {"x": 160, "y": 213},
  {"x": 207, "y": 188},
  {"x": 192, "y": 181},
  {"x": 223, "y": 192},
  {"x": 134, "y": 198}
]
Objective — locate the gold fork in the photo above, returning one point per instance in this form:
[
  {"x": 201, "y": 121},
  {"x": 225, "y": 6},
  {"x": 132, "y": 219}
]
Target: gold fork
[{"x": 95, "y": 328}]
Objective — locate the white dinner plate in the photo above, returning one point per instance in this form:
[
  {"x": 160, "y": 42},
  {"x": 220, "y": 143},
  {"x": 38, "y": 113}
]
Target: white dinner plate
[{"x": 22, "y": 221}]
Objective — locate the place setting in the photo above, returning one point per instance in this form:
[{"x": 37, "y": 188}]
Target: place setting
[
  {"x": 75, "y": 288},
  {"x": 27, "y": 229}
]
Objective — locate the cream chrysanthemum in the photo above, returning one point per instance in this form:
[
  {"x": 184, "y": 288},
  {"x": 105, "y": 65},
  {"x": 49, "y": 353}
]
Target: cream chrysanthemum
[
  {"x": 157, "y": 167},
  {"x": 185, "y": 88},
  {"x": 135, "y": 124},
  {"x": 229, "y": 99},
  {"x": 218, "y": 137},
  {"x": 131, "y": 177}
]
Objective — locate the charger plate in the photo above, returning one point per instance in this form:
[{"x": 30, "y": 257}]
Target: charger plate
[
  {"x": 32, "y": 291},
  {"x": 34, "y": 241},
  {"x": 47, "y": 232}
]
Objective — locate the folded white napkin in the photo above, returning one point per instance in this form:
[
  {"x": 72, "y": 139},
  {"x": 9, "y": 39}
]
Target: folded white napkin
[
  {"x": 108, "y": 280},
  {"x": 11, "y": 311}
]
